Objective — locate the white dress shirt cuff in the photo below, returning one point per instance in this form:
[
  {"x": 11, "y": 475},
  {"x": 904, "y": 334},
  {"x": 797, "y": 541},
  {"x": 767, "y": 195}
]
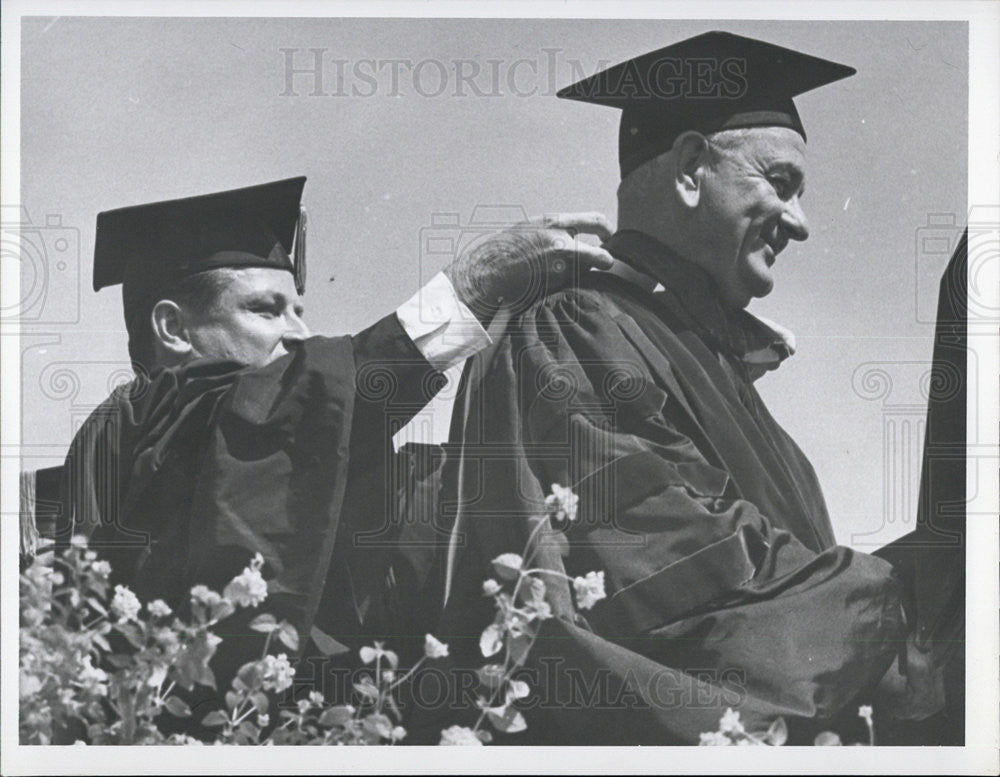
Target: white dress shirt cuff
[{"x": 442, "y": 327}]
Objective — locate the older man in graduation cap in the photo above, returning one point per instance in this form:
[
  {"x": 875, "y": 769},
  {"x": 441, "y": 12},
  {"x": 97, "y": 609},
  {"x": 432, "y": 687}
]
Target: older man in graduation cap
[
  {"x": 242, "y": 433},
  {"x": 724, "y": 584}
]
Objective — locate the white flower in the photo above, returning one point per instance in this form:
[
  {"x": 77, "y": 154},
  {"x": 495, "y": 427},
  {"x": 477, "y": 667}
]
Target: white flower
[
  {"x": 157, "y": 675},
  {"x": 158, "y": 608},
  {"x": 540, "y": 609},
  {"x": 561, "y": 503},
  {"x": 865, "y": 711},
  {"x": 714, "y": 739},
  {"x": 278, "y": 673},
  {"x": 369, "y": 654},
  {"x": 316, "y": 698},
  {"x": 125, "y": 604},
  {"x": 247, "y": 590},
  {"x": 434, "y": 648},
  {"x": 304, "y": 706},
  {"x": 589, "y": 590},
  {"x": 92, "y": 678},
  {"x": 459, "y": 735},
  {"x": 202, "y": 594},
  {"x": 30, "y": 684},
  {"x": 490, "y": 587},
  {"x": 101, "y": 568},
  {"x": 508, "y": 565},
  {"x": 388, "y": 675},
  {"x": 165, "y": 637},
  {"x": 78, "y": 541},
  {"x": 263, "y": 720},
  {"x": 730, "y": 722}
]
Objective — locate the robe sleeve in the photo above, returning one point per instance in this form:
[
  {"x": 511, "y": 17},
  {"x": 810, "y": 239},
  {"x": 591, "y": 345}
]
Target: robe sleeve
[
  {"x": 276, "y": 469},
  {"x": 703, "y": 591}
]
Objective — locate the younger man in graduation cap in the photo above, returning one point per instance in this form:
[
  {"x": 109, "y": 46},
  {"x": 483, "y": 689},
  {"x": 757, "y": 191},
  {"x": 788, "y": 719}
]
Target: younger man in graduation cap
[
  {"x": 724, "y": 584},
  {"x": 243, "y": 434}
]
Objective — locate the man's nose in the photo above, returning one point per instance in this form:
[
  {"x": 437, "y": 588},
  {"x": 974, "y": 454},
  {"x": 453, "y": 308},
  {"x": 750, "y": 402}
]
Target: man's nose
[
  {"x": 794, "y": 221},
  {"x": 296, "y": 332}
]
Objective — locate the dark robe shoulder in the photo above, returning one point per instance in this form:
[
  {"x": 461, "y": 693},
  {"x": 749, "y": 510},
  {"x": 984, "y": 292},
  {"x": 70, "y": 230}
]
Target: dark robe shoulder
[
  {"x": 181, "y": 477},
  {"x": 723, "y": 580}
]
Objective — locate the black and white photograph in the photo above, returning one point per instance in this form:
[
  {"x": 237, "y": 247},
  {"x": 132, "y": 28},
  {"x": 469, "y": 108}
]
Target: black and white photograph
[{"x": 576, "y": 379}]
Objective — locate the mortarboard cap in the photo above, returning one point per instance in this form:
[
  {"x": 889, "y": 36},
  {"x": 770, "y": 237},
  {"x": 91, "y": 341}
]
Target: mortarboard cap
[
  {"x": 147, "y": 248},
  {"x": 710, "y": 82}
]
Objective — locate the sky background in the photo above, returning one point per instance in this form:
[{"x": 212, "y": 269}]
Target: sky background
[{"x": 119, "y": 111}]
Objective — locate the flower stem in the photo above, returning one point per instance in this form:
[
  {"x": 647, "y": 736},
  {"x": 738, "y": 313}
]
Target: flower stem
[{"x": 406, "y": 676}]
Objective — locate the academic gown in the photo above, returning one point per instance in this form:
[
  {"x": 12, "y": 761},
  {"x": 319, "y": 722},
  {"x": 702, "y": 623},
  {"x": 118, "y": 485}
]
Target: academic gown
[
  {"x": 181, "y": 477},
  {"x": 725, "y": 587}
]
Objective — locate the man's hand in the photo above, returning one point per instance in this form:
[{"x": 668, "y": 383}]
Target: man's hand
[
  {"x": 518, "y": 266},
  {"x": 913, "y": 690}
]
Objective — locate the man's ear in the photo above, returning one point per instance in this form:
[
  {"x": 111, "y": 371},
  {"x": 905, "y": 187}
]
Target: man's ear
[
  {"x": 691, "y": 160},
  {"x": 170, "y": 333}
]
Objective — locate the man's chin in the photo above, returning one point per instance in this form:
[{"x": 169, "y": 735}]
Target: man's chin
[{"x": 760, "y": 282}]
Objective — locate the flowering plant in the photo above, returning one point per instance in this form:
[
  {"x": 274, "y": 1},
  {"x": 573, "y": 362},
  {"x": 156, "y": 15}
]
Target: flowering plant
[
  {"x": 732, "y": 732},
  {"x": 518, "y": 593},
  {"x": 97, "y": 668}
]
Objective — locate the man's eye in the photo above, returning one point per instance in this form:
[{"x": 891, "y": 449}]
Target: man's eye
[{"x": 782, "y": 185}]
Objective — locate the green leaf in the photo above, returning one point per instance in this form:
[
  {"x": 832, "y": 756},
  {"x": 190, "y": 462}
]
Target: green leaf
[
  {"x": 191, "y": 665},
  {"x": 491, "y": 640},
  {"x": 119, "y": 661},
  {"x": 518, "y": 689},
  {"x": 100, "y": 641},
  {"x": 206, "y": 676},
  {"x": 519, "y": 648},
  {"x": 508, "y": 565},
  {"x": 96, "y": 604},
  {"x": 327, "y": 645},
  {"x": 336, "y": 717},
  {"x": 249, "y": 732},
  {"x": 536, "y": 589},
  {"x": 827, "y": 739},
  {"x": 264, "y": 623},
  {"x": 214, "y": 718},
  {"x": 507, "y": 719},
  {"x": 367, "y": 690},
  {"x": 250, "y": 675},
  {"x": 777, "y": 734},
  {"x": 131, "y": 633},
  {"x": 232, "y": 699},
  {"x": 177, "y": 706},
  {"x": 289, "y": 636},
  {"x": 260, "y": 701},
  {"x": 378, "y": 724},
  {"x": 490, "y": 675},
  {"x": 222, "y": 610}
]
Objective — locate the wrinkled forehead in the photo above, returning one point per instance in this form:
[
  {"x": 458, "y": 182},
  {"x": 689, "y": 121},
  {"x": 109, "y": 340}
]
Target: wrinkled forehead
[
  {"x": 767, "y": 145},
  {"x": 255, "y": 281}
]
